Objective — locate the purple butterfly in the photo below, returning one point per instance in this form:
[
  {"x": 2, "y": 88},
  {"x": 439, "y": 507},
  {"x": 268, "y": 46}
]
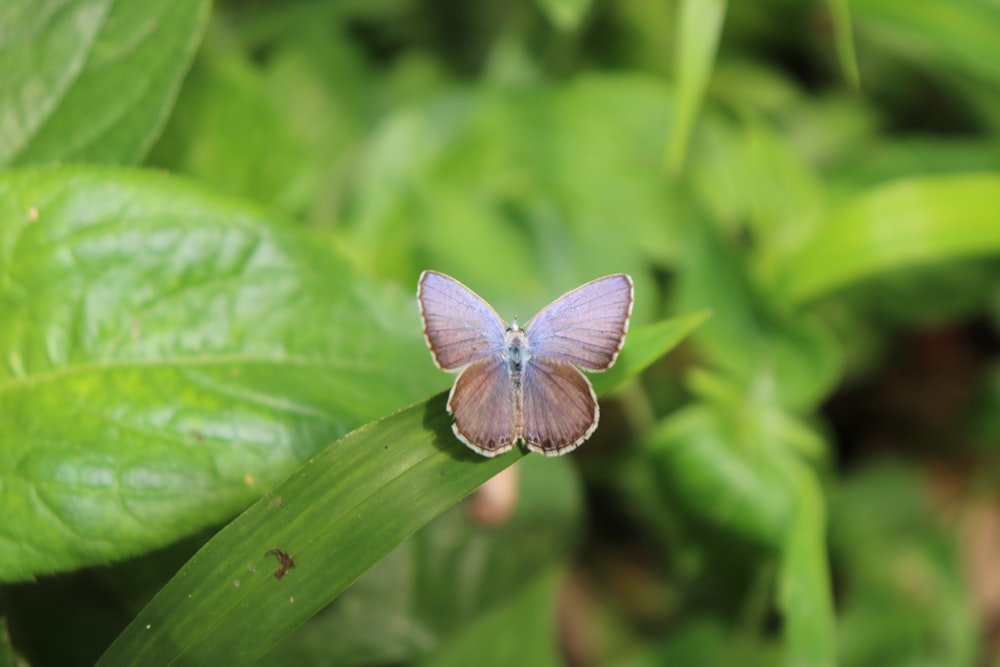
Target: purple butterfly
[{"x": 522, "y": 383}]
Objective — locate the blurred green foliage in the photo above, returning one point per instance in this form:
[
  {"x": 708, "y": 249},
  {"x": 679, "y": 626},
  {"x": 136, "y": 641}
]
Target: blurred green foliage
[{"x": 212, "y": 219}]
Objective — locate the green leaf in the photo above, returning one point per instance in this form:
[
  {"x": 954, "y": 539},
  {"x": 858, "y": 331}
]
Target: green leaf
[
  {"x": 7, "y": 658},
  {"x": 281, "y": 133},
  {"x": 752, "y": 179},
  {"x": 91, "y": 80},
  {"x": 893, "y": 159},
  {"x": 528, "y": 208},
  {"x": 698, "y": 31},
  {"x": 738, "y": 468},
  {"x": 905, "y": 223},
  {"x": 724, "y": 458},
  {"x": 957, "y": 37},
  {"x": 167, "y": 357},
  {"x": 337, "y": 516},
  {"x": 765, "y": 349},
  {"x": 530, "y": 617},
  {"x": 843, "y": 34},
  {"x": 445, "y": 577},
  {"x": 984, "y": 419},
  {"x": 565, "y": 14},
  {"x": 710, "y": 467},
  {"x": 643, "y": 346},
  {"x": 805, "y": 587},
  {"x": 703, "y": 640},
  {"x": 902, "y": 585}
]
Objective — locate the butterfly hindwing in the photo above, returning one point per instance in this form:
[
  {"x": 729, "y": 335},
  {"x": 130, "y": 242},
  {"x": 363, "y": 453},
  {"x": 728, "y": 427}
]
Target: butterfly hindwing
[
  {"x": 560, "y": 409},
  {"x": 485, "y": 407}
]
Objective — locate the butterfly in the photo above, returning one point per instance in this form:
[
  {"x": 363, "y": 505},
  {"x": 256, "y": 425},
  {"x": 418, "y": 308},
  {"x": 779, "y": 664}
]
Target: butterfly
[{"x": 522, "y": 383}]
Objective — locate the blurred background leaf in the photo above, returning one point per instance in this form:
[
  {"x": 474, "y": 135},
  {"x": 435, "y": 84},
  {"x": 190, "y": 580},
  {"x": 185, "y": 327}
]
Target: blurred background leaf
[
  {"x": 7, "y": 658},
  {"x": 901, "y": 224},
  {"x": 63, "y": 67},
  {"x": 507, "y": 169},
  {"x": 698, "y": 30},
  {"x": 906, "y": 564},
  {"x": 491, "y": 642}
]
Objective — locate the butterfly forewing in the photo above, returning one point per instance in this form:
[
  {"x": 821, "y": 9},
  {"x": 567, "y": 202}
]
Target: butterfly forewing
[
  {"x": 560, "y": 409},
  {"x": 485, "y": 407},
  {"x": 460, "y": 327},
  {"x": 585, "y": 327}
]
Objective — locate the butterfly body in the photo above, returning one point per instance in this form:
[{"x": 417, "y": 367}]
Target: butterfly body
[
  {"x": 517, "y": 344},
  {"x": 523, "y": 384},
  {"x": 516, "y": 355}
]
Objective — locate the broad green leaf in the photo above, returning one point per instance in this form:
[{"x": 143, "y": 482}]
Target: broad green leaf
[
  {"x": 698, "y": 31},
  {"x": 167, "y": 356},
  {"x": 336, "y": 517},
  {"x": 906, "y": 223},
  {"x": 91, "y": 80},
  {"x": 522, "y": 632}
]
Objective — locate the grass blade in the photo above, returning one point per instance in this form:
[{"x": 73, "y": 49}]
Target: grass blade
[{"x": 336, "y": 517}]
